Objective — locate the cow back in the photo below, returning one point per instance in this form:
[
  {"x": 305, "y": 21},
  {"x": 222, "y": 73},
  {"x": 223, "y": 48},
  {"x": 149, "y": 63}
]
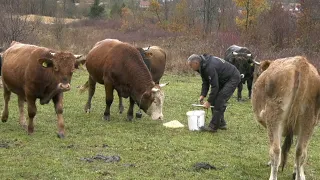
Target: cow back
[
  {"x": 157, "y": 62},
  {"x": 97, "y": 57}
]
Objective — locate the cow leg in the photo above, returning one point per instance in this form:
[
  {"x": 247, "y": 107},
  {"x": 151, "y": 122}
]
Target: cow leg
[
  {"x": 272, "y": 116},
  {"x": 301, "y": 151},
  {"x": 32, "y": 110},
  {"x": 249, "y": 85},
  {"x": 109, "y": 100},
  {"x": 240, "y": 86},
  {"x": 274, "y": 133},
  {"x": 130, "y": 110},
  {"x": 58, "y": 106},
  {"x": 6, "y": 96},
  {"x": 121, "y": 108},
  {"x": 22, "y": 119},
  {"x": 274, "y": 153},
  {"x": 92, "y": 89}
]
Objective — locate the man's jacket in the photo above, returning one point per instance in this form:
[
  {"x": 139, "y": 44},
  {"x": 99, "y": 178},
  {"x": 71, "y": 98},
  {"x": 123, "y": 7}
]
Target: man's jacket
[{"x": 215, "y": 72}]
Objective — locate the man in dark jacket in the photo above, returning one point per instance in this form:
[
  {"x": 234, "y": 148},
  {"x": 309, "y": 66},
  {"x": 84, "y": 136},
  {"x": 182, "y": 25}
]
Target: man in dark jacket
[{"x": 223, "y": 78}]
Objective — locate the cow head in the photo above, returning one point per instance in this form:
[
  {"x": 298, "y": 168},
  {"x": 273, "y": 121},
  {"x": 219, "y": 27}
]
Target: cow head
[
  {"x": 242, "y": 61},
  {"x": 62, "y": 65},
  {"x": 259, "y": 68},
  {"x": 152, "y": 102}
]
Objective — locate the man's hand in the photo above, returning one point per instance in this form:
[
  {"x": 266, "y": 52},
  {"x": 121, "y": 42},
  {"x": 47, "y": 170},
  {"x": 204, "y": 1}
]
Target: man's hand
[
  {"x": 206, "y": 105},
  {"x": 201, "y": 98}
]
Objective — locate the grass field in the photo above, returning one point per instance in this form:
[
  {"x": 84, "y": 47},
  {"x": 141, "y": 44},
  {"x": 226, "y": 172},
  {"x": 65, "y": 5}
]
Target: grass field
[{"x": 147, "y": 149}]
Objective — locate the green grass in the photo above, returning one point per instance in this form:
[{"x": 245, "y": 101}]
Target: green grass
[{"x": 157, "y": 152}]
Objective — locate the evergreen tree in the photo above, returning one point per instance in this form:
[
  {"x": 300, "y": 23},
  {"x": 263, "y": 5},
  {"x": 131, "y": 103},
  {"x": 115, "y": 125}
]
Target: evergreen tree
[{"x": 96, "y": 10}]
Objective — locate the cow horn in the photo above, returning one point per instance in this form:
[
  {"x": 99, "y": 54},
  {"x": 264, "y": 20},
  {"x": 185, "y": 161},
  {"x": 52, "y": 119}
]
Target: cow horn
[
  {"x": 234, "y": 53},
  {"x": 77, "y": 56},
  {"x": 146, "y": 48},
  {"x": 52, "y": 53},
  {"x": 249, "y": 55},
  {"x": 163, "y": 85},
  {"x": 257, "y": 63},
  {"x": 155, "y": 89}
]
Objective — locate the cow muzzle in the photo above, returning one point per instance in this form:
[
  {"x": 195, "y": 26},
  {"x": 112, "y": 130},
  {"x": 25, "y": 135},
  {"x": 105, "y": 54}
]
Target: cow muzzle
[
  {"x": 64, "y": 87},
  {"x": 159, "y": 117}
]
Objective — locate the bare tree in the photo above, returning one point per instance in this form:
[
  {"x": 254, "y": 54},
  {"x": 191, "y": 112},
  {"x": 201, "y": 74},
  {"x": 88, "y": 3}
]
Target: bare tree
[
  {"x": 210, "y": 10},
  {"x": 14, "y": 25}
]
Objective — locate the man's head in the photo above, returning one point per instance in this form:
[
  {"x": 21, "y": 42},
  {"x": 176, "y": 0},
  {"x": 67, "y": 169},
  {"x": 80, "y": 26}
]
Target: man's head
[{"x": 194, "y": 62}]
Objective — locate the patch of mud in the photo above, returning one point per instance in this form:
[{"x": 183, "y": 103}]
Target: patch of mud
[
  {"x": 4, "y": 145},
  {"x": 129, "y": 165},
  {"x": 10, "y": 143},
  {"x": 103, "y": 146},
  {"x": 203, "y": 165},
  {"x": 108, "y": 159}
]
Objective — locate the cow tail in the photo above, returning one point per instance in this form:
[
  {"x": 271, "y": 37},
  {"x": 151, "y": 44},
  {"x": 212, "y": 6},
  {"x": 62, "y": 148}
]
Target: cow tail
[
  {"x": 286, "y": 148},
  {"x": 84, "y": 87}
]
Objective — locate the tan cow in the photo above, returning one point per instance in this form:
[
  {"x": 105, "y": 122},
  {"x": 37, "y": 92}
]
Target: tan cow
[
  {"x": 32, "y": 73},
  {"x": 286, "y": 100}
]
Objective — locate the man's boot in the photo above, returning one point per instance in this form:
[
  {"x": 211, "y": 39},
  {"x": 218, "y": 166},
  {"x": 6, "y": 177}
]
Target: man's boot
[
  {"x": 223, "y": 123},
  {"x": 215, "y": 122}
]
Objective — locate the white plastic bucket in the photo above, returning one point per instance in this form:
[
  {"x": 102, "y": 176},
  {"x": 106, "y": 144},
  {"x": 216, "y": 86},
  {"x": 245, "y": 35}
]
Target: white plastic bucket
[{"x": 195, "y": 120}]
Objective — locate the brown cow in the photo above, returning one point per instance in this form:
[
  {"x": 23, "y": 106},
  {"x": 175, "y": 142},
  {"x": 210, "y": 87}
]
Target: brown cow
[
  {"x": 34, "y": 72},
  {"x": 120, "y": 66},
  {"x": 286, "y": 100},
  {"x": 155, "y": 59}
]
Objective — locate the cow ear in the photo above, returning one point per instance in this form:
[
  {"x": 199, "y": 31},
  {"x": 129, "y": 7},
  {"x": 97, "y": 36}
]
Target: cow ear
[
  {"x": 45, "y": 62},
  {"x": 265, "y": 64}
]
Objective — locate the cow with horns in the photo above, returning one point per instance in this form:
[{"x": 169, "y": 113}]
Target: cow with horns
[{"x": 241, "y": 57}]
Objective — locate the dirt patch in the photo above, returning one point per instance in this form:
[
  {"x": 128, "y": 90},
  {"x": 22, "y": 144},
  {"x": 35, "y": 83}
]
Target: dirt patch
[
  {"x": 108, "y": 159},
  {"x": 9, "y": 143},
  {"x": 203, "y": 165}
]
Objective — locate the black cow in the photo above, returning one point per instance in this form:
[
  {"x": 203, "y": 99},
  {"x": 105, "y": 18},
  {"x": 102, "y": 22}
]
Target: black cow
[{"x": 242, "y": 58}]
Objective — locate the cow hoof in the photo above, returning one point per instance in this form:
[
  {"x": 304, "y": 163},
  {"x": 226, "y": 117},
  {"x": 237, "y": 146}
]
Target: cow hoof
[
  {"x": 269, "y": 163},
  {"x": 106, "y": 117},
  {"x": 4, "y": 118},
  {"x": 129, "y": 117},
  {"x": 121, "y": 109},
  {"x": 30, "y": 130},
  {"x": 87, "y": 108},
  {"x": 60, "y": 135},
  {"x": 294, "y": 176}
]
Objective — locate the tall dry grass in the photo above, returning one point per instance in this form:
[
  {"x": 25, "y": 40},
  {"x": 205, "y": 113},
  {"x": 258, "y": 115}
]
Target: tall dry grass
[{"x": 79, "y": 37}]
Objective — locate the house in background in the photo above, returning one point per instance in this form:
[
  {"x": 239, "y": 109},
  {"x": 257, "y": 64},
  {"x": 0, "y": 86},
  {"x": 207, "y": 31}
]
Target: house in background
[{"x": 144, "y": 4}]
